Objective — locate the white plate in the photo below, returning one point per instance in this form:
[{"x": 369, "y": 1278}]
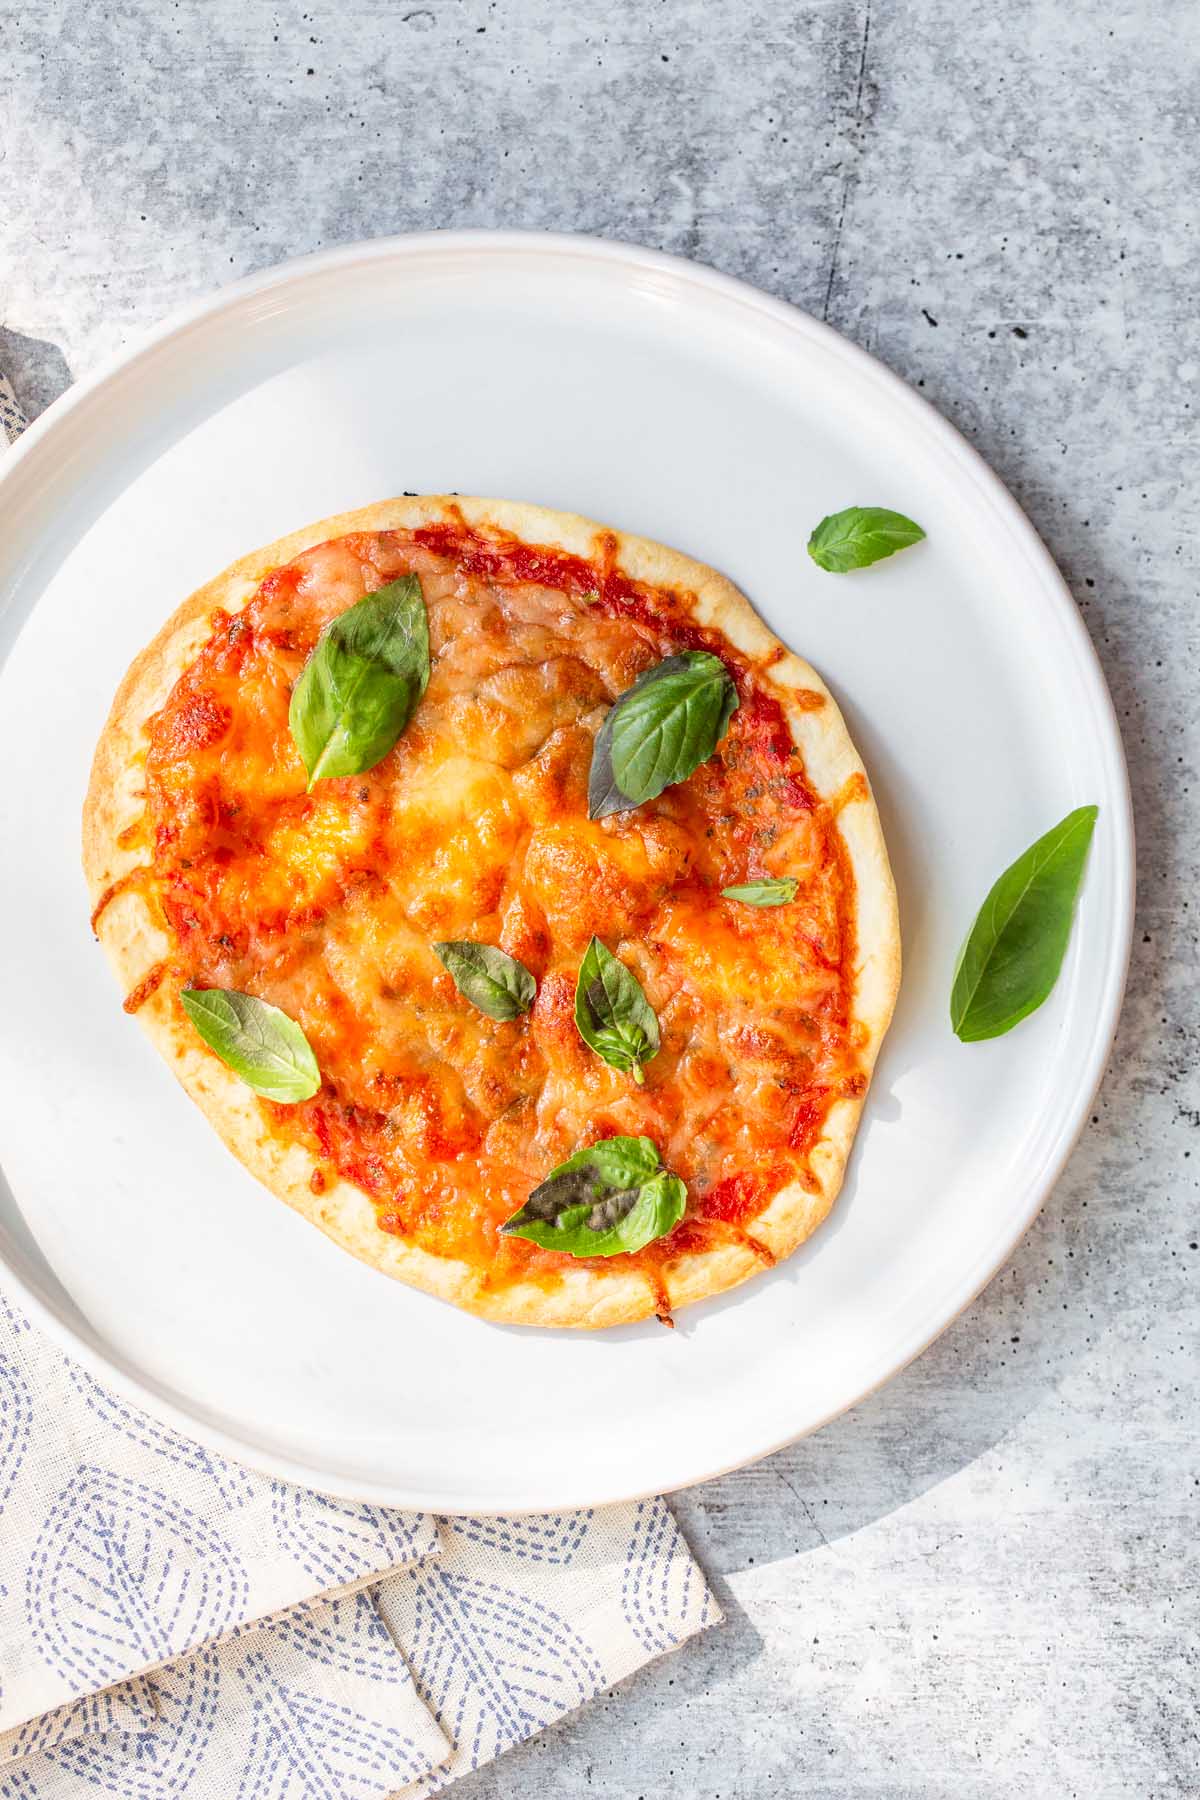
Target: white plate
[{"x": 679, "y": 404}]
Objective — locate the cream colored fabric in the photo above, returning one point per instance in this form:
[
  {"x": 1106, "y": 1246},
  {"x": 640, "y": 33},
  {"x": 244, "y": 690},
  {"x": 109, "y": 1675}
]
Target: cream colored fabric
[
  {"x": 139, "y": 1575},
  {"x": 12, "y": 417},
  {"x": 167, "y": 1617},
  {"x": 123, "y": 1545}
]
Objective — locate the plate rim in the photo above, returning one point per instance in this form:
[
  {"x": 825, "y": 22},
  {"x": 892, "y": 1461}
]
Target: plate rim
[{"x": 30, "y": 448}]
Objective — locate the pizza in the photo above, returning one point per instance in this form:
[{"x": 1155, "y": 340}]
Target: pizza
[{"x": 509, "y": 898}]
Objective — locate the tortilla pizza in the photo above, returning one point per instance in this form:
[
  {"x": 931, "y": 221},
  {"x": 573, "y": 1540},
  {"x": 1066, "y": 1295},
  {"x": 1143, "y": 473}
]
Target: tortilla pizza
[{"x": 497, "y": 949}]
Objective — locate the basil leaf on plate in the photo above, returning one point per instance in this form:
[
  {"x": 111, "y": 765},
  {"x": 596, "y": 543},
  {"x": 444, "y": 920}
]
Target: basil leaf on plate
[
  {"x": 604, "y": 1201},
  {"x": 860, "y": 535},
  {"x": 612, "y": 1014},
  {"x": 659, "y": 730},
  {"x": 256, "y": 1040},
  {"x": 496, "y": 983},
  {"x": 1015, "y": 949},
  {"x": 772, "y": 890},
  {"x": 361, "y": 685}
]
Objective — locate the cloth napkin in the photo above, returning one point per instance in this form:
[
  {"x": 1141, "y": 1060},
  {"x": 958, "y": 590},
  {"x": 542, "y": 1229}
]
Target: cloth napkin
[{"x": 173, "y": 1624}]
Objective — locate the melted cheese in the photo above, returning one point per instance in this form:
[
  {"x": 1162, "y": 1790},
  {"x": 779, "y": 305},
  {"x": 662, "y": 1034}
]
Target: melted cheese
[{"x": 476, "y": 826}]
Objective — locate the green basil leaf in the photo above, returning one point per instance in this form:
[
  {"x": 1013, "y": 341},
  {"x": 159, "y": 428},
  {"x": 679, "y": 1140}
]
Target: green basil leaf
[
  {"x": 772, "y": 890},
  {"x": 257, "y": 1041},
  {"x": 664, "y": 726},
  {"x": 612, "y": 1014},
  {"x": 604, "y": 1201},
  {"x": 497, "y": 984},
  {"x": 361, "y": 685},
  {"x": 860, "y": 535},
  {"x": 1014, "y": 952}
]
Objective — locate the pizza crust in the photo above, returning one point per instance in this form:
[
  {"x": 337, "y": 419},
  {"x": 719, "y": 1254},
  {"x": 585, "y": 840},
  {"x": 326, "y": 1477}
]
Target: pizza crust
[{"x": 135, "y": 942}]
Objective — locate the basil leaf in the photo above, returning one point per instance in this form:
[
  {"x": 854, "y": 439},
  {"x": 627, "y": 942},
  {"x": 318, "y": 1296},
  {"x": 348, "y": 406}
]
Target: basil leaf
[
  {"x": 612, "y": 1014},
  {"x": 664, "y": 726},
  {"x": 860, "y": 535},
  {"x": 604, "y": 1201},
  {"x": 361, "y": 685},
  {"x": 1014, "y": 952},
  {"x": 497, "y": 984},
  {"x": 773, "y": 890},
  {"x": 257, "y": 1041}
]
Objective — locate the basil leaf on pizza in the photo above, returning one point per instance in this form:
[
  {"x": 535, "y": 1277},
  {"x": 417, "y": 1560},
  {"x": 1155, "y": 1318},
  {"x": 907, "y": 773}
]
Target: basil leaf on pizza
[
  {"x": 1011, "y": 959},
  {"x": 257, "y": 1041},
  {"x": 859, "y": 536},
  {"x": 612, "y": 1014},
  {"x": 608, "y": 1200},
  {"x": 664, "y": 726},
  {"x": 772, "y": 890},
  {"x": 496, "y": 983},
  {"x": 360, "y": 687}
]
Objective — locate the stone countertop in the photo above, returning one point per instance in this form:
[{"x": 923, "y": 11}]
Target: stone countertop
[{"x": 982, "y": 1581}]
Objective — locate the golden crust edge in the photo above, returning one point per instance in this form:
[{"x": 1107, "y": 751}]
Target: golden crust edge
[{"x": 133, "y": 941}]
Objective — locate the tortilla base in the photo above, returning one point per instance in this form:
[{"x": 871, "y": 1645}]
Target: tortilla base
[{"x": 135, "y": 942}]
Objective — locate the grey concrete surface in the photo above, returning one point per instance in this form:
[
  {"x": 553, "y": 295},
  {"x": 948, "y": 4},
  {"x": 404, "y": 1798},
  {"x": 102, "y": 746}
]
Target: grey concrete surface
[{"x": 983, "y": 1582}]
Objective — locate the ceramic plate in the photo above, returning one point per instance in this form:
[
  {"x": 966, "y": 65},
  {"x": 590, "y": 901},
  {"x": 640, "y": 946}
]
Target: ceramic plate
[{"x": 675, "y": 403}]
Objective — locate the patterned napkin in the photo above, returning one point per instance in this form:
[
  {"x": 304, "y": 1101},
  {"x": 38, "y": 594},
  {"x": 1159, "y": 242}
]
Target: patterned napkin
[{"x": 172, "y": 1624}]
